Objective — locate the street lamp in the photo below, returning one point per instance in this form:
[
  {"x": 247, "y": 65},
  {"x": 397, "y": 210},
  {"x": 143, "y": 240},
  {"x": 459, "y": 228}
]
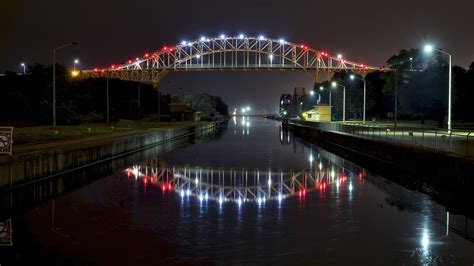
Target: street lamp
[
  {"x": 321, "y": 88},
  {"x": 76, "y": 61},
  {"x": 24, "y": 68},
  {"x": 354, "y": 77},
  {"x": 334, "y": 85},
  {"x": 54, "y": 77},
  {"x": 428, "y": 49},
  {"x": 311, "y": 93}
]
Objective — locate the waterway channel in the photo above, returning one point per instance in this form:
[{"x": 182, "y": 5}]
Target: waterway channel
[{"x": 250, "y": 194}]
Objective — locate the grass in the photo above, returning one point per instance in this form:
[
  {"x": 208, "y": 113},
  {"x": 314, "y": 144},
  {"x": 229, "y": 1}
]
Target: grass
[{"x": 45, "y": 134}]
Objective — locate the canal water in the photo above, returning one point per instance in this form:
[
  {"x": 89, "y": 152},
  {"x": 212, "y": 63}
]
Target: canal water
[{"x": 251, "y": 194}]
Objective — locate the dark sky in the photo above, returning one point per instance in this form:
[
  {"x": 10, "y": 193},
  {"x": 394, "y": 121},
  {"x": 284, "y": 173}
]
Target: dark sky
[{"x": 110, "y": 31}]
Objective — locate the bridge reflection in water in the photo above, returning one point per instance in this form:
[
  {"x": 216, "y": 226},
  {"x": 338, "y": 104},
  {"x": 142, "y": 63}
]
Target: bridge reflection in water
[{"x": 243, "y": 185}]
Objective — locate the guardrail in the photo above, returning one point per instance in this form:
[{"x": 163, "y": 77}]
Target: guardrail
[{"x": 455, "y": 142}]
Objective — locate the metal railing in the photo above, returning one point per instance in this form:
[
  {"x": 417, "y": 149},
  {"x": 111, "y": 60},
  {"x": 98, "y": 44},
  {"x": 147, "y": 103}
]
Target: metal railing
[{"x": 454, "y": 142}]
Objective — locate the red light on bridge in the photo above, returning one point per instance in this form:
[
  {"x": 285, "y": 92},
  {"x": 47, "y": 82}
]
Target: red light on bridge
[
  {"x": 324, "y": 54},
  {"x": 112, "y": 66},
  {"x": 96, "y": 69},
  {"x": 362, "y": 65},
  {"x": 146, "y": 55},
  {"x": 129, "y": 61}
]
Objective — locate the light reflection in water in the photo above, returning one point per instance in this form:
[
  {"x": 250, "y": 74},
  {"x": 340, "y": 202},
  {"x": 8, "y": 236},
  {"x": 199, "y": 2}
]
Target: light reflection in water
[{"x": 240, "y": 186}]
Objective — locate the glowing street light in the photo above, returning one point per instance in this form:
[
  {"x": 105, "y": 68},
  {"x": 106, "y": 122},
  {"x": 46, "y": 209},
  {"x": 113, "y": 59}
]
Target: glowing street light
[
  {"x": 428, "y": 49},
  {"x": 334, "y": 85},
  {"x": 311, "y": 93},
  {"x": 248, "y": 108},
  {"x": 24, "y": 68},
  {"x": 354, "y": 77},
  {"x": 54, "y": 77},
  {"x": 76, "y": 61}
]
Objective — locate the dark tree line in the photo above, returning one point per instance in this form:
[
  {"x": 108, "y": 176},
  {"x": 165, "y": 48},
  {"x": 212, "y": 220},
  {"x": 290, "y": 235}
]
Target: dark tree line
[
  {"x": 422, "y": 90},
  {"x": 28, "y": 98}
]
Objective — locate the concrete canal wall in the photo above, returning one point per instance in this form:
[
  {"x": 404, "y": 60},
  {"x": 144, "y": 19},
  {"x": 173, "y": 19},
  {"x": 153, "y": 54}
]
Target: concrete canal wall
[
  {"x": 27, "y": 167},
  {"x": 447, "y": 173}
]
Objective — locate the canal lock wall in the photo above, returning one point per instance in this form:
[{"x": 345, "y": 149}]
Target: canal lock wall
[
  {"x": 449, "y": 176},
  {"x": 27, "y": 168}
]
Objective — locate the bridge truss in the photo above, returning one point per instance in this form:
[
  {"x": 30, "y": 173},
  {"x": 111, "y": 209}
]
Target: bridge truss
[
  {"x": 241, "y": 185},
  {"x": 229, "y": 53}
]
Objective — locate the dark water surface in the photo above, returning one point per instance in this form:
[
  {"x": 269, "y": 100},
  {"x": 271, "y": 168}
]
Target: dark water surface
[{"x": 317, "y": 209}]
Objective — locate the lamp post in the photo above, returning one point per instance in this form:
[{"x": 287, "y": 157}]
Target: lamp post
[
  {"x": 54, "y": 77},
  {"x": 363, "y": 79},
  {"x": 321, "y": 88},
  {"x": 335, "y": 84},
  {"x": 76, "y": 61},
  {"x": 428, "y": 49},
  {"x": 24, "y": 68}
]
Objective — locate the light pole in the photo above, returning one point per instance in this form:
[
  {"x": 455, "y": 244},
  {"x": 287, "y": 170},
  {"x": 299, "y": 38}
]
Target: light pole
[
  {"x": 76, "y": 61},
  {"x": 335, "y": 84},
  {"x": 429, "y": 48},
  {"x": 54, "y": 77},
  {"x": 321, "y": 88},
  {"x": 363, "y": 79},
  {"x": 24, "y": 68}
]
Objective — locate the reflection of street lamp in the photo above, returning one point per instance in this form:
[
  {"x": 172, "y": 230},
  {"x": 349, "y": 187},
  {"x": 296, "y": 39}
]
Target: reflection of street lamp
[
  {"x": 354, "y": 77},
  {"x": 54, "y": 77},
  {"x": 335, "y": 84},
  {"x": 248, "y": 108},
  {"x": 244, "y": 110},
  {"x": 428, "y": 49}
]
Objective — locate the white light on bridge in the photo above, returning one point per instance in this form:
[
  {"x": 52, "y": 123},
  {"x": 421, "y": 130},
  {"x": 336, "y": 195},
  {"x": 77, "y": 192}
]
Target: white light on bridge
[
  {"x": 350, "y": 187},
  {"x": 280, "y": 197},
  {"x": 182, "y": 193},
  {"x": 241, "y": 36},
  {"x": 269, "y": 182},
  {"x": 201, "y": 197},
  {"x": 183, "y": 43},
  {"x": 207, "y": 196},
  {"x": 239, "y": 201},
  {"x": 188, "y": 192},
  {"x": 282, "y": 41},
  {"x": 270, "y": 56},
  {"x": 202, "y": 39},
  {"x": 339, "y": 56},
  {"x": 222, "y": 36},
  {"x": 261, "y": 37},
  {"x": 221, "y": 200},
  {"x": 198, "y": 56}
]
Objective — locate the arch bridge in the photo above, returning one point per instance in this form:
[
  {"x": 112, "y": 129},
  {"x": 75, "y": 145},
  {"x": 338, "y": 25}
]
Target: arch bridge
[{"x": 224, "y": 53}]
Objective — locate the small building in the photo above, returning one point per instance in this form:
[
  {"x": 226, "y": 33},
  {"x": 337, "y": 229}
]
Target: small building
[
  {"x": 320, "y": 112},
  {"x": 181, "y": 112}
]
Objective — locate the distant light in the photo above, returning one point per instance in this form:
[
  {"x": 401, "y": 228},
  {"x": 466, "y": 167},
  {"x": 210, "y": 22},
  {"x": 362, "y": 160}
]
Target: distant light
[
  {"x": 428, "y": 48},
  {"x": 320, "y": 165},
  {"x": 197, "y": 181},
  {"x": 188, "y": 192},
  {"x": 285, "y": 112},
  {"x": 22, "y": 64},
  {"x": 352, "y": 76},
  {"x": 321, "y": 88},
  {"x": 222, "y": 36},
  {"x": 76, "y": 61},
  {"x": 269, "y": 181},
  {"x": 221, "y": 200},
  {"x": 183, "y": 43},
  {"x": 282, "y": 41},
  {"x": 182, "y": 193},
  {"x": 261, "y": 37},
  {"x": 137, "y": 58},
  {"x": 350, "y": 187},
  {"x": 247, "y": 124},
  {"x": 339, "y": 56},
  {"x": 270, "y": 56},
  {"x": 411, "y": 58},
  {"x": 198, "y": 56},
  {"x": 202, "y": 39},
  {"x": 311, "y": 158},
  {"x": 280, "y": 197},
  {"x": 248, "y": 108},
  {"x": 244, "y": 110},
  {"x": 239, "y": 201},
  {"x": 241, "y": 36},
  {"x": 201, "y": 197},
  {"x": 334, "y": 84},
  {"x": 74, "y": 73},
  {"x": 311, "y": 92},
  {"x": 207, "y": 196},
  {"x": 333, "y": 174}
]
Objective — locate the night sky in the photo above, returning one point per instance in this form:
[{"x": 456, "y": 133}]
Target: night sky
[{"x": 112, "y": 31}]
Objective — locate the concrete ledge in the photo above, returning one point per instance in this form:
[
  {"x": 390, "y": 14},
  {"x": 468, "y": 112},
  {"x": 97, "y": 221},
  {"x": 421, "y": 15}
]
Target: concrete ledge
[{"x": 28, "y": 166}]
